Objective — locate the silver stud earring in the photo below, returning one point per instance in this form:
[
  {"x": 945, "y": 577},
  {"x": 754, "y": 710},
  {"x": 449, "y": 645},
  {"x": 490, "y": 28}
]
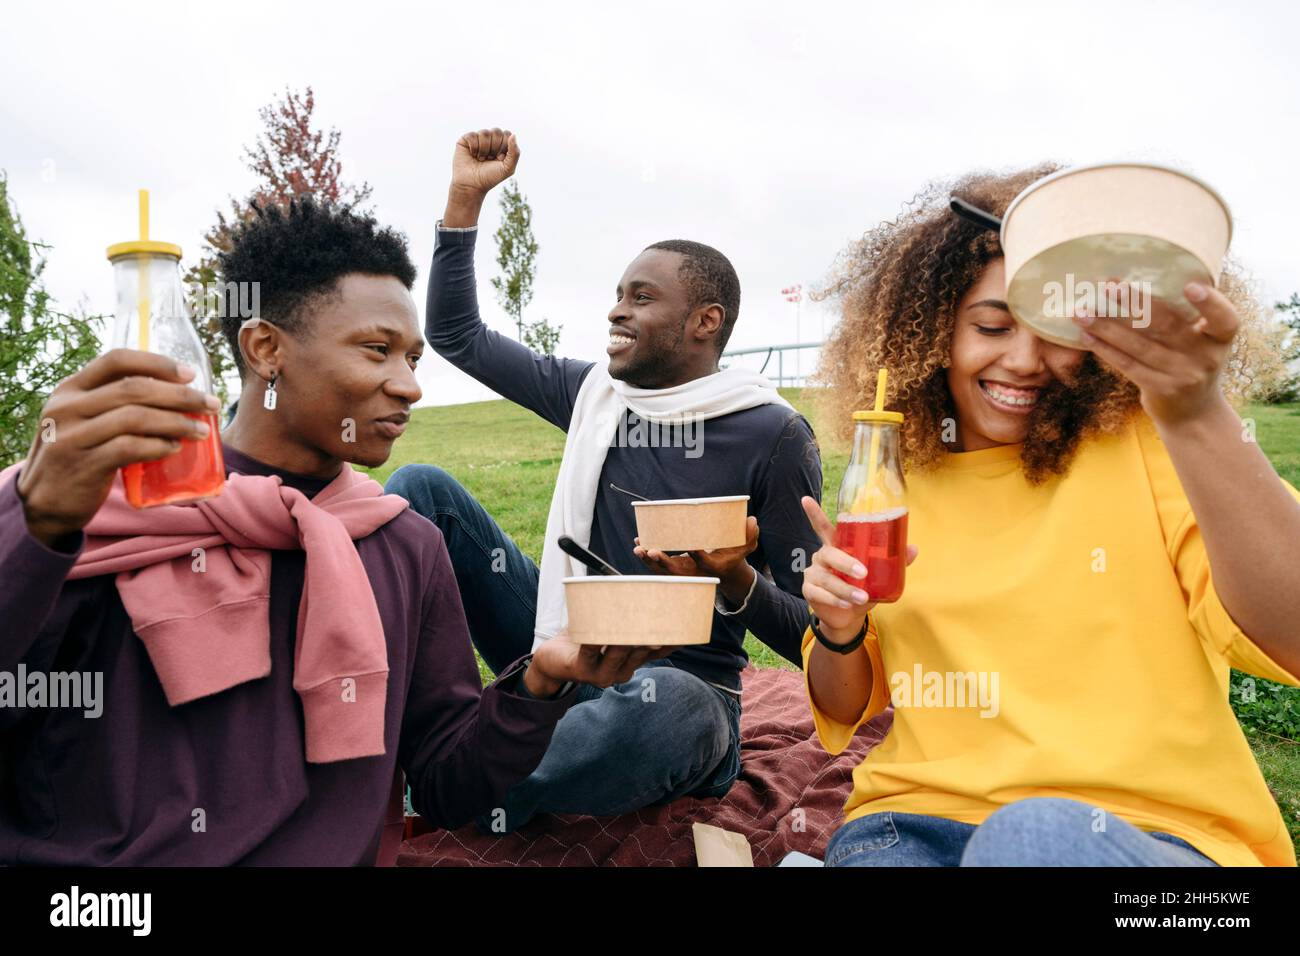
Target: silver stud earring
[{"x": 268, "y": 397}]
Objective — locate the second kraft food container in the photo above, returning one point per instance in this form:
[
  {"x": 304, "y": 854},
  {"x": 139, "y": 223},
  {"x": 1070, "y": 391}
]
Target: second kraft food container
[
  {"x": 692, "y": 524},
  {"x": 1134, "y": 222}
]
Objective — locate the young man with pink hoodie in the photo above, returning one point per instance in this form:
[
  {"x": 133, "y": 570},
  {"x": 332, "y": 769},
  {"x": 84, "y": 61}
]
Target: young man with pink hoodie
[{"x": 258, "y": 704}]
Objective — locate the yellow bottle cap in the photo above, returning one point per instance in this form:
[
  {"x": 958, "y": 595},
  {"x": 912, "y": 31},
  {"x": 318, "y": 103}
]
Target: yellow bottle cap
[
  {"x": 893, "y": 418},
  {"x": 148, "y": 247}
]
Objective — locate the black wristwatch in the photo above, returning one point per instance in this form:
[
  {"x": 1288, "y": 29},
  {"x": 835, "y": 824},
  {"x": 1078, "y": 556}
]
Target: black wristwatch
[{"x": 848, "y": 648}]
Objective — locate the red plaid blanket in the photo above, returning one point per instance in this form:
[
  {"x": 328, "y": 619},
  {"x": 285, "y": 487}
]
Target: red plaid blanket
[{"x": 789, "y": 796}]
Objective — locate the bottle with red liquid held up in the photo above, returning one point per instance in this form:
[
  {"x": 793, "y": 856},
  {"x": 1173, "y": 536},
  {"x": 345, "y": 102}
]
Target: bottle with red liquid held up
[
  {"x": 153, "y": 316},
  {"x": 872, "y": 507}
]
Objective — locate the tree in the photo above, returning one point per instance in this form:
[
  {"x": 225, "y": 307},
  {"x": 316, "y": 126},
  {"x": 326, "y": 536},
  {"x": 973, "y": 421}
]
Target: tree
[
  {"x": 542, "y": 337},
  {"x": 290, "y": 158},
  {"x": 207, "y": 321},
  {"x": 40, "y": 346},
  {"x": 516, "y": 255},
  {"x": 1289, "y": 312}
]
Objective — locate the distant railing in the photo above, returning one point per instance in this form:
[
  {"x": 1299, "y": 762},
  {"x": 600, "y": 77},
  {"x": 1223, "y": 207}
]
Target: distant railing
[{"x": 800, "y": 369}]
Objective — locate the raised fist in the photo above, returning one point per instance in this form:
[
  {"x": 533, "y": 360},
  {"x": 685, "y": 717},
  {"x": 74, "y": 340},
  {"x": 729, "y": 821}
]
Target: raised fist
[{"x": 483, "y": 160}]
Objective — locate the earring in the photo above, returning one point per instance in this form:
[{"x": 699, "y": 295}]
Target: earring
[{"x": 268, "y": 397}]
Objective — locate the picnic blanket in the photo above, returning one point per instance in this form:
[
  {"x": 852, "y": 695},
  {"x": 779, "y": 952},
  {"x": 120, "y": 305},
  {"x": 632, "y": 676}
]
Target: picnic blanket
[{"x": 789, "y": 796}]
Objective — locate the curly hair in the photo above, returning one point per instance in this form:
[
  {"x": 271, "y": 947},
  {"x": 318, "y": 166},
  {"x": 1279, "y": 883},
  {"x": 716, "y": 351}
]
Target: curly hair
[
  {"x": 297, "y": 254},
  {"x": 899, "y": 287}
]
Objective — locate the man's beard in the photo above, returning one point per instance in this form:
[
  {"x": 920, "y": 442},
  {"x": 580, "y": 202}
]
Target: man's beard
[{"x": 658, "y": 367}]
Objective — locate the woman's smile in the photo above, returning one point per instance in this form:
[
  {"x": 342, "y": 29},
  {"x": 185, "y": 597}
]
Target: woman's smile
[{"x": 1014, "y": 400}]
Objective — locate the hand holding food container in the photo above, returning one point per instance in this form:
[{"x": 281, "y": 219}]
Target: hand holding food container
[
  {"x": 1142, "y": 227},
  {"x": 561, "y": 660},
  {"x": 152, "y": 316},
  {"x": 699, "y": 536},
  {"x": 1123, "y": 259}
]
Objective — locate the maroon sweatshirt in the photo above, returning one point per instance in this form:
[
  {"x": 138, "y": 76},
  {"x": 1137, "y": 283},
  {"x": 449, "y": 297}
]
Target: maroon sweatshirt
[{"x": 223, "y": 780}]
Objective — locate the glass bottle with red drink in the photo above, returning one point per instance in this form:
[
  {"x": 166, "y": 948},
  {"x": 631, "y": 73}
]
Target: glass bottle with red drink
[
  {"x": 872, "y": 507},
  {"x": 153, "y": 316}
]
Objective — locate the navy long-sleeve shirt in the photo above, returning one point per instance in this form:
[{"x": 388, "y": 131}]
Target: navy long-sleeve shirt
[
  {"x": 768, "y": 452},
  {"x": 224, "y": 779}
]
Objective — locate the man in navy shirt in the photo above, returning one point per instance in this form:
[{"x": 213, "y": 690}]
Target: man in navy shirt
[{"x": 673, "y": 730}]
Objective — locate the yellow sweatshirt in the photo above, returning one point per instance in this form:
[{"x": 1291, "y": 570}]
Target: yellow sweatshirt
[{"x": 1064, "y": 640}]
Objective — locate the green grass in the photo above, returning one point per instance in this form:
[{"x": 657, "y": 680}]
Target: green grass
[
  {"x": 1277, "y": 429},
  {"x": 508, "y": 458},
  {"x": 1279, "y": 759},
  {"x": 505, "y": 457}
]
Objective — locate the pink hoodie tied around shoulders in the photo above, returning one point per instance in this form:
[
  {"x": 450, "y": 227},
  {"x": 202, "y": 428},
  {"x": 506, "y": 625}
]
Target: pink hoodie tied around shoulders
[{"x": 204, "y": 617}]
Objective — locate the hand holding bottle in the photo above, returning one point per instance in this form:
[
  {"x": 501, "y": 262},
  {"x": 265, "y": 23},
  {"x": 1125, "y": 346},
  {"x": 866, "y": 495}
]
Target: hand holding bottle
[
  {"x": 840, "y": 606},
  {"x": 123, "y": 408},
  {"x": 153, "y": 316}
]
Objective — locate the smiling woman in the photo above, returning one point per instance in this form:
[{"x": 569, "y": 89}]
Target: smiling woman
[
  {"x": 1067, "y": 508},
  {"x": 998, "y": 370}
]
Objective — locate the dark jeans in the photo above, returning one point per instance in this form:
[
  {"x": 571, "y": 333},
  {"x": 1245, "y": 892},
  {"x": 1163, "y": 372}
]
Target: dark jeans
[
  {"x": 664, "y": 734},
  {"x": 1038, "y": 831}
]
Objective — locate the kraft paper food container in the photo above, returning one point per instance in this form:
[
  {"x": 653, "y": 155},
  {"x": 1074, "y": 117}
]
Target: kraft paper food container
[
  {"x": 640, "y": 609},
  {"x": 691, "y": 524},
  {"x": 1134, "y": 222}
]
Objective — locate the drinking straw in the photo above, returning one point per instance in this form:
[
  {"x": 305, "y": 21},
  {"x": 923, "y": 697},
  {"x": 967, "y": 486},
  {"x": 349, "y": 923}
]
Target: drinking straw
[
  {"x": 881, "y": 377},
  {"x": 143, "y": 272},
  {"x": 868, "y": 495}
]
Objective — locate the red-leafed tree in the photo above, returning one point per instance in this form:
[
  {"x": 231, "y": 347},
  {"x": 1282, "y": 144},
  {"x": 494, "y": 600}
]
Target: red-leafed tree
[{"x": 291, "y": 158}]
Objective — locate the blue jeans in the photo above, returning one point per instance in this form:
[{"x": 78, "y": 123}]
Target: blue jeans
[
  {"x": 1038, "y": 831},
  {"x": 662, "y": 735}
]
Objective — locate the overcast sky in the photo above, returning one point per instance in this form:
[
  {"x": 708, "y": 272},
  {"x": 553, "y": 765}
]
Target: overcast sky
[{"x": 776, "y": 132}]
